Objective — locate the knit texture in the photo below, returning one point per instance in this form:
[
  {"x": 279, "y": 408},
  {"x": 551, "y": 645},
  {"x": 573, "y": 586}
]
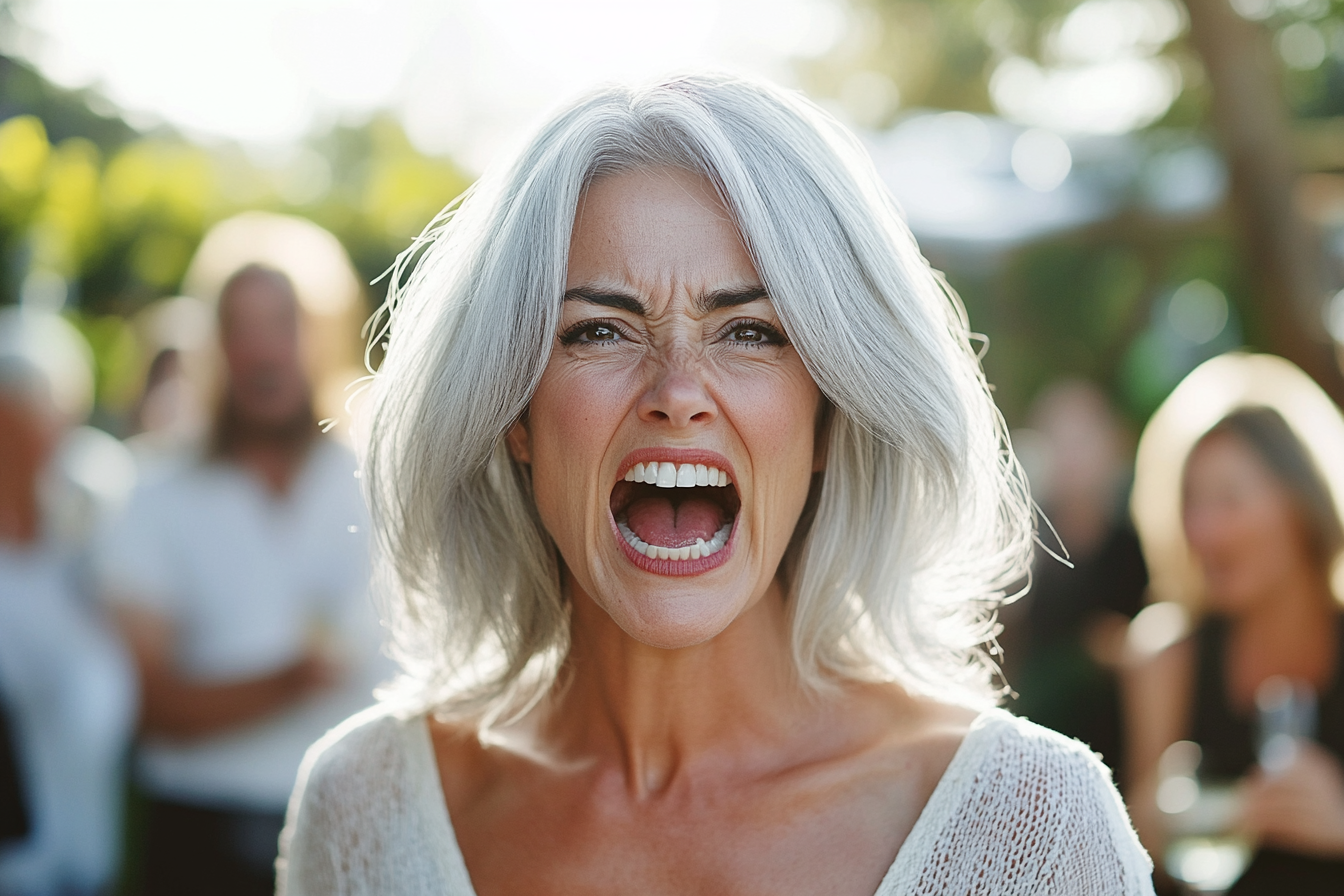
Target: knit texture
[{"x": 1020, "y": 811}]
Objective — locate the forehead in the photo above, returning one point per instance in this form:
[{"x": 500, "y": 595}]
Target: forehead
[
  {"x": 253, "y": 298},
  {"x": 1224, "y": 456},
  {"x": 656, "y": 227}
]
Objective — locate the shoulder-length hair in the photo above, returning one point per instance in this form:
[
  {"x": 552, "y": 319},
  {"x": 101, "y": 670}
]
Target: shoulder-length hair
[
  {"x": 1263, "y": 430},
  {"x": 1281, "y": 414},
  {"x": 922, "y": 517}
]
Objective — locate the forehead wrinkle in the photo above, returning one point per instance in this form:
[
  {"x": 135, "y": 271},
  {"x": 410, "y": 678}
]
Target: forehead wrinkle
[{"x": 666, "y": 238}]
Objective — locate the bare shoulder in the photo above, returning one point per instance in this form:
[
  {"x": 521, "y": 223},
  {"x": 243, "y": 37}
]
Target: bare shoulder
[
  {"x": 467, "y": 768},
  {"x": 921, "y": 724},
  {"x": 907, "y": 743},
  {"x": 961, "y": 742},
  {"x": 955, "y": 741}
]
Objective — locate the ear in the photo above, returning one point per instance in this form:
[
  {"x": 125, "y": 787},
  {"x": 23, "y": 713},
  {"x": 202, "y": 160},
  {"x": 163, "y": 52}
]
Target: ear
[
  {"x": 519, "y": 441},
  {"x": 821, "y": 439}
]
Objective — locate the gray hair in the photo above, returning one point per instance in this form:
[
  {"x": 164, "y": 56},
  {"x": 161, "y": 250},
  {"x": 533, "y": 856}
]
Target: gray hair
[{"x": 922, "y": 519}]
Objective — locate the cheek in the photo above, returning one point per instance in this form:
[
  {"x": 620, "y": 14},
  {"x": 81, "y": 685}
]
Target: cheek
[
  {"x": 1225, "y": 531},
  {"x": 1280, "y": 537},
  {"x": 775, "y": 411},
  {"x": 571, "y": 420},
  {"x": 1254, "y": 541}
]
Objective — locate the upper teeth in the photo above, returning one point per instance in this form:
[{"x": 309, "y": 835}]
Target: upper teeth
[{"x": 665, "y": 475}]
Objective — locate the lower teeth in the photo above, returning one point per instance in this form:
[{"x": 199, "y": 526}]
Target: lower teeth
[{"x": 701, "y": 548}]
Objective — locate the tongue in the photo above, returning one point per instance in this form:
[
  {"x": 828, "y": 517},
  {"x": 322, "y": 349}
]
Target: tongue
[{"x": 658, "y": 523}]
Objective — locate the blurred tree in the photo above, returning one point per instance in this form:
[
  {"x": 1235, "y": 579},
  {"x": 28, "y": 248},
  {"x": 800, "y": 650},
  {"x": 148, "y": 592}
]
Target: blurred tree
[
  {"x": 100, "y": 220},
  {"x": 1261, "y": 77},
  {"x": 65, "y": 113},
  {"x": 1251, "y": 117}
]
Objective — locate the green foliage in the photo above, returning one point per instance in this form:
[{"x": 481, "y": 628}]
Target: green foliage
[
  {"x": 116, "y": 357},
  {"x": 116, "y": 216},
  {"x": 1087, "y": 303},
  {"x": 1090, "y": 303}
]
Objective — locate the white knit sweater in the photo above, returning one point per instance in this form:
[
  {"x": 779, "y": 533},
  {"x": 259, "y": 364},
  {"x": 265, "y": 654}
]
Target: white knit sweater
[{"x": 1020, "y": 810}]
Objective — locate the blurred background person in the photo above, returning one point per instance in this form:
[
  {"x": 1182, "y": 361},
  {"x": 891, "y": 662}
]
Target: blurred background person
[
  {"x": 239, "y": 577},
  {"x": 66, "y": 684},
  {"x": 1064, "y": 638},
  {"x": 166, "y": 412},
  {"x": 158, "y": 407},
  {"x": 171, "y": 413},
  {"x": 1263, "y": 530}
]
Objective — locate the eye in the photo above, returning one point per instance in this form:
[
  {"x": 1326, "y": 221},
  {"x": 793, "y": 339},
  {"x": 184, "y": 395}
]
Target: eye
[
  {"x": 592, "y": 332},
  {"x": 754, "y": 332}
]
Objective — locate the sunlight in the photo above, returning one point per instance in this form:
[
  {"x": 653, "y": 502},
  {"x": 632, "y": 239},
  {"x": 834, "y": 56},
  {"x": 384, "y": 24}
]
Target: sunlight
[
  {"x": 1102, "y": 72},
  {"x": 464, "y": 76}
]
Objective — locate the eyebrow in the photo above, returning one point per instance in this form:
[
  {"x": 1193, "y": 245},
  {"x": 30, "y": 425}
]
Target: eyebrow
[
  {"x": 730, "y": 298},
  {"x": 706, "y": 302},
  {"x": 607, "y": 299}
]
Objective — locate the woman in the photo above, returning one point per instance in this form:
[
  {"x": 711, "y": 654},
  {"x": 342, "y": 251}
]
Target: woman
[
  {"x": 1261, "y": 523},
  {"x": 695, "y": 508}
]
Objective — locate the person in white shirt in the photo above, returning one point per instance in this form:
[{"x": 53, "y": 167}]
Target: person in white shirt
[
  {"x": 694, "y": 508},
  {"x": 66, "y": 683},
  {"x": 239, "y": 577}
]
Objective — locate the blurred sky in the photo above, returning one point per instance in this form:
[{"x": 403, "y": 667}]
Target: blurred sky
[
  {"x": 471, "y": 78},
  {"x": 467, "y": 77}
]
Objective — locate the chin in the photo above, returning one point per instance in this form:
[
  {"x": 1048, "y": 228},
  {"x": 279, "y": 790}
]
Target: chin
[
  {"x": 674, "y": 621},
  {"x": 1233, "y": 599}
]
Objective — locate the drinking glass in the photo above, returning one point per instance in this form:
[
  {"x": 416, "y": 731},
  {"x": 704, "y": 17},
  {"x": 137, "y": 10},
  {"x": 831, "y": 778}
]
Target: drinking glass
[{"x": 1205, "y": 852}]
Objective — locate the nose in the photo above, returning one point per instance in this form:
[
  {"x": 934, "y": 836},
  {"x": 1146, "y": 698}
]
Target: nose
[
  {"x": 1204, "y": 529},
  {"x": 678, "y": 396}
]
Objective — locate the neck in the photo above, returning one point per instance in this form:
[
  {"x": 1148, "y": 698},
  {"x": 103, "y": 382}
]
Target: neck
[
  {"x": 273, "y": 451},
  {"x": 1294, "y": 623},
  {"x": 657, "y": 714},
  {"x": 1290, "y": 632},
  {"x": 19, "y": 505},
  {"x": 275, "y": 464},
  {"x": 18, "y": 518}
]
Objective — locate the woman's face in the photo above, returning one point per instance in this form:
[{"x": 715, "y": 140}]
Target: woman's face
[
  {"x": 1242, "y": 524},
  {"x": 673, "y": 436}
]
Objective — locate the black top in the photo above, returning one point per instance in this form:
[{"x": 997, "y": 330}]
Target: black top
[
  {"x": 1058, "y": 683},
  {"x": 13, "y": 811},
  {"x": 1228, "y": 738}
]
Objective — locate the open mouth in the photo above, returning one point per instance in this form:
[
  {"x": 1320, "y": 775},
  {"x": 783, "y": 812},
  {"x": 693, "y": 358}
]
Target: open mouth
[{"x": 675, "y": 511}]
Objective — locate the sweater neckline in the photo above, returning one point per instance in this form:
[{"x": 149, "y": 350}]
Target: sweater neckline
[{"x": 904, "y": 868}]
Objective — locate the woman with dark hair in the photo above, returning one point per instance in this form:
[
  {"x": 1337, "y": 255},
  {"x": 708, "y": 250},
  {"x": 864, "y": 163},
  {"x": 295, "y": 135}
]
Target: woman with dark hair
[{"x": 1263, "y": 528}]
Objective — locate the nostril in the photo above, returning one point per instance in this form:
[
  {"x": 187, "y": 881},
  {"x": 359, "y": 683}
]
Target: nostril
[{"x": 678, "y": 397}]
